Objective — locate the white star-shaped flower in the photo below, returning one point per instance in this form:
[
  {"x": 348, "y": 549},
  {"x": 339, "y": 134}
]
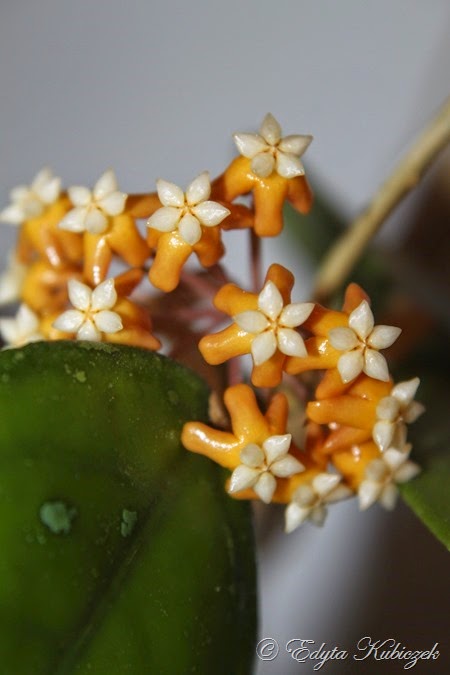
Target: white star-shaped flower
[
  {"x": 93, "y": 315},
  {"x": 262, "y": 465},
  {"x": 382, "y": 474},
  {"x": 269, "y": 151},
  {"x": 31, "y": 201},
  {"x": 309, "y": 500},
  {"x": 273, "y": 324},
  {"x": 21, "y": 330},
  {"x": 188, "y": 212},
  {"x": 361, "y": 342},
  {"x": 11, "y": 280},
  {"x": 94, "y": 208},
  {"x": 394, "y": 412}
]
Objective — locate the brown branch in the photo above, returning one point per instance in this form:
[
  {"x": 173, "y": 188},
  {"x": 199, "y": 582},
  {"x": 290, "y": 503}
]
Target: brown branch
[{"x": 343, "y": 256}]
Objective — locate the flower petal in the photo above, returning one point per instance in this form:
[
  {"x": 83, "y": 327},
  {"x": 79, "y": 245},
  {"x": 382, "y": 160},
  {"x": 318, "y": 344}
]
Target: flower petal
[
  {"x": 270, "y": 129},
  {"x": 388, "y": 497},
  {"x": 383, "y": 337},
  {"x": 343, "y": 339},
  {"x": 289, "y": 166},
  {"x": 350, "y": 365},
  {"x": 368, "y": 493},
  {"x": 324, "y": 483},
  {"x": 75, "y": 220},
  {"x": 377, "y": 470},
  {"x": 252, "y": 456},
  {"x": 49, "y": 190},
  {"x": 249, "y": 145},
  {"x": 263, "y": 347},
  {"x": 394, "y": 458},
  {"x": 277, "y": 446},
  {"x": 96, "y": 222},
  {"x": 399, "y": 438},
  {"x": 210, "y": 213},
  {"x": 388, "y": 409},
  {"x": 361, "y": 320},
  {"x": 265, "y": 486},
  {"x": 286, "y": 466},
  {"x": 169, "y": 194},
  {"x": 252, "y": 321},
  {"x": 404, "y": 392},
  {"x": 189, "y": 229},
  {"x": 88, "y": 331},
  {"x": 295, "y": 314},
  {"x": 106, "y": 184},
  {"x": 20, "y": 193},
  {"x": 11, "y": 281},
  {"x": 199, "y": 190},
  {"x": 291, "y": 343},
  {"x": 318, "y": 515},
  {"x": 79, "y": 195},
  {"x": 27, "y": 320},
  {"x": 9, "y": 331},
  {"x": 340, "y": 492},
  {"x": 304, "y": 496},
  {"x": 295, "y": 144},
  {"x": 12, "y": 214},
  {"x": 375, "y": 365},
  {"x": 114, "y": 203},
  {"x": 165, "y": 219},
  {"x": 295, "y": 515},
  {"x": 270, "y": 300},
  {"x": 382, "y": 434},
  {"x": 107, "y": 321},
  {"x": 104, "y": 296},
  {"x": 413, "y": 412},
  {"x": 41, "y": 178},
  {"x": 69, "y": 321},
  {"x": 79, "y": 295},
  {"x": 263, "y": 164},
  {"x": 242, "y": 478},
  {"x": 407, "y": 471}
]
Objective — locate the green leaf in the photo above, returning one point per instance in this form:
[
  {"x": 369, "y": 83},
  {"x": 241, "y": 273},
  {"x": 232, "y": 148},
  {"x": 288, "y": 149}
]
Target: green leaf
[
  {"x": 429, "y": 494},
  {"x": 121, "y": 552}
]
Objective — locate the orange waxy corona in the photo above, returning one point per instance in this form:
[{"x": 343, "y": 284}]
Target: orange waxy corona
[
  {"x": 107, "y": 228},
  {"x": 271, "y": 170},
  {"x": 264, "y": 326}
]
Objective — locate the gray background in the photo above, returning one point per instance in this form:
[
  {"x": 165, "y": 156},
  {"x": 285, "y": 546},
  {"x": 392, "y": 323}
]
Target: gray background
[{"x": 155, "y": 90}]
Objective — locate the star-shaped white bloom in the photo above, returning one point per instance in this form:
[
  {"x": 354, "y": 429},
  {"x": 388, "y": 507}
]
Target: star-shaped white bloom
[
  {"x": 187, "y": 212},
  {"x": 309, "y": 500},
  {"x": 93, "y": 315},
  {"x": 394, "y": 412},
  {"x": 269, "y": 151},
  {"x": 361, "y": 342},
  {"x": 11, "y": 280},
  {"x": 262, "y": 465},
  {"x": 273, "y": 324},
  {"x": 21, "y": 330},
  {"x": 94, "y": 208},
  {"x": 382, "y": 474},
  {"x": 31, "y": 201}
]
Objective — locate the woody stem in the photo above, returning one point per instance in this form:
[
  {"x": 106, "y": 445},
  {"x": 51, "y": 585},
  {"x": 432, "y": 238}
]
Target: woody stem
[{"x": 343, "y": 256}]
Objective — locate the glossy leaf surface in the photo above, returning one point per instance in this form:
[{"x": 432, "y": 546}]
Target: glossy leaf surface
[
  {"x": 121, "y": 552},
  {"x": 429, "y": 494}
]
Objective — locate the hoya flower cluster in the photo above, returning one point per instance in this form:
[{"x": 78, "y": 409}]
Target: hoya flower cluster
[{"x": 354, "y": 440}]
